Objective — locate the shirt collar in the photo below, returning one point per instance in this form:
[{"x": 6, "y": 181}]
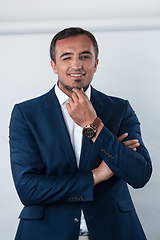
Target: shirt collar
[{"x": 63, "y": 98}]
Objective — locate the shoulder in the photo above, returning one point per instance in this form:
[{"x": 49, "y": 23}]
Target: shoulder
[
  {"x": 114, "y": 105},
  {"x": 37, "y": 101},
  {"x": 106, "y": 99},
  {"x": 113, "y": 110},
  {"x": 34, "y": 107}
]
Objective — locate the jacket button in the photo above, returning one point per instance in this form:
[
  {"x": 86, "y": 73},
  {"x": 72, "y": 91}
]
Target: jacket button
[
  {"x": 103, "y": 150},
  {"x": 76, "y": 220}
]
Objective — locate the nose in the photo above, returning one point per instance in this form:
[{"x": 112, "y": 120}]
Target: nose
[{"x": 77, "y": 64}]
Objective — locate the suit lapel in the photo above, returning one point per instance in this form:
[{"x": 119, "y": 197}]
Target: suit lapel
[{"x": 54, "y": 110}]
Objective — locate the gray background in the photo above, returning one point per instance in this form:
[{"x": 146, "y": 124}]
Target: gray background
[{"x": 129, "y": 67}]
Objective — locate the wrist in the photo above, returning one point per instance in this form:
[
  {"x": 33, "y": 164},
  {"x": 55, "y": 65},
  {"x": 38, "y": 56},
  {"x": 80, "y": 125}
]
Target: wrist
[
  {"x": 90, "y": 130},
  {"x": 100, "y": 127},
  {"x": 96, "y": 178}
]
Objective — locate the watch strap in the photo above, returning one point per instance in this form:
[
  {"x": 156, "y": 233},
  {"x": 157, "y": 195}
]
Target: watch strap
[{"x": 97, "y": 122}]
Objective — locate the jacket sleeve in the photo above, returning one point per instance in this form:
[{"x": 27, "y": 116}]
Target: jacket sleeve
[
  {"x": 33, "y": 186},
  {"x": 134, "y": 167}
]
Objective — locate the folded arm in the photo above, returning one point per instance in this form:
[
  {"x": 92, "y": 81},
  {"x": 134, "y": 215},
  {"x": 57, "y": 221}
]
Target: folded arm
[
  {"x": 134, "y": 167},
  {"x": 103, "y": 172}
]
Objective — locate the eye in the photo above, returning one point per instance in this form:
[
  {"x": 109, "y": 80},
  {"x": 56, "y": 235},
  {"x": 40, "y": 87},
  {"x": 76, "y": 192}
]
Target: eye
[
  {"x": 86, "y": 57},
  {"x": 67, "y": 58}
]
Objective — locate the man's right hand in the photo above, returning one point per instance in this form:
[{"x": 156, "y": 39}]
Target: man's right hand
[{"x": 133, "y": 144}]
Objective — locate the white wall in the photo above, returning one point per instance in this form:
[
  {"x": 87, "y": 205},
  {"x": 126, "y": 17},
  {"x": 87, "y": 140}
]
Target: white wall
[
  {"x": 35, "y": 10},
  {"x": 128, "y": 68}
]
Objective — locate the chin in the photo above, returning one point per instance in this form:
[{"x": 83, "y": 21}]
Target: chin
[{"x": 80, "y": 86}]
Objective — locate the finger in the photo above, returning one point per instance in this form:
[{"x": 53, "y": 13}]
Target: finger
[
  {"x": 81, "y": 94},
  {"x": 82, "y": 91},
  {"x": 74, "y": 97},
  {"x": 133, "y": 145},
  {"x": 68, "y": 106},
  {"x": 131, "y": 142},
  {"x": 122, "y": 137},
  {"x": 70, "y": 100}
]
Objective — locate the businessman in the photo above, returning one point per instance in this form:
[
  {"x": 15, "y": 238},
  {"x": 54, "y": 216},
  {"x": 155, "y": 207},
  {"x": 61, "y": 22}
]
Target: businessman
[{"x": 73, "y": 151}]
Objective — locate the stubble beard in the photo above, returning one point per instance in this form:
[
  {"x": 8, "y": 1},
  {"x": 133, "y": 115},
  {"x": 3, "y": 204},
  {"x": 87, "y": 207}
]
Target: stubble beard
[{"x": 70, "y": 89}]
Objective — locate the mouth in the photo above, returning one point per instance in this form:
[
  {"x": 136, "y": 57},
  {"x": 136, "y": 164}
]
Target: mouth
[{"x": 77, "y": 75}]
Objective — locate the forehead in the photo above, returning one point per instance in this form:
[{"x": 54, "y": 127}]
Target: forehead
[{"x": 74, "y": 44}]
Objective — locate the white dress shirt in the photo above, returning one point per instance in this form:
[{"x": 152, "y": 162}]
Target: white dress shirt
[{"x": 75, "y": 132}]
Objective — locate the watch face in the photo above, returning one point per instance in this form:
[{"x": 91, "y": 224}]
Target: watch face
[{"x": 88, "y": 132}]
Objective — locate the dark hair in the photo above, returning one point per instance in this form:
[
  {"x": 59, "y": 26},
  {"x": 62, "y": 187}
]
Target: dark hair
[{"x": 68, "y": 32}]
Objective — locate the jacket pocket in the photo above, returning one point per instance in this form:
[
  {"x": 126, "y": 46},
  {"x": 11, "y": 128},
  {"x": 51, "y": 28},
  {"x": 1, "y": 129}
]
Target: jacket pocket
[
  {"x": 32, "y": 212},
  {"x": 125, "y": 205}
]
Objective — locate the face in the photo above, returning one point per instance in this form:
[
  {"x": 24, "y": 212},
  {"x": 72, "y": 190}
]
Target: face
[{"x": 75, "y": 63}]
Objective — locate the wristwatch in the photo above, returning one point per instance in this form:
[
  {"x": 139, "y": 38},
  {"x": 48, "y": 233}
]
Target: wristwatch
[{"x": 90, "y": 130}]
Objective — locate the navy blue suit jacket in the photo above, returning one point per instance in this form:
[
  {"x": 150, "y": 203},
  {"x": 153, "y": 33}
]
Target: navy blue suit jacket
[{"x": 52, "y": 188}]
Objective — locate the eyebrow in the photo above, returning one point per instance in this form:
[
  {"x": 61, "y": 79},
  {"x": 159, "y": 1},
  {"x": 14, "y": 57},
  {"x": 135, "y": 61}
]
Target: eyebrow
[
  {"x": 86, "y": 52},
  {"x": 66, "y": 54},
  {"x": 69, "y": 53}
]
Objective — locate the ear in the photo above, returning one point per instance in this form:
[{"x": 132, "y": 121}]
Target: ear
[
  {"x": 96, "y": 64},
  {"x": 53, "y": 65}
]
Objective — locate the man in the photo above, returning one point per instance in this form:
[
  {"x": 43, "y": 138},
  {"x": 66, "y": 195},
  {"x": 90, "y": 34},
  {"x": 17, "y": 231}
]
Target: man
[{"x": 73, "y": 151}]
